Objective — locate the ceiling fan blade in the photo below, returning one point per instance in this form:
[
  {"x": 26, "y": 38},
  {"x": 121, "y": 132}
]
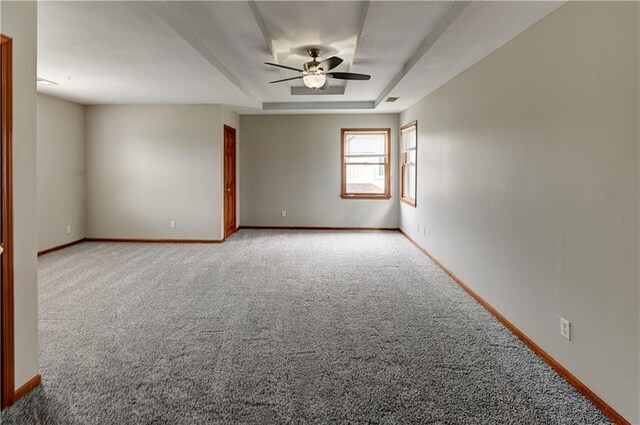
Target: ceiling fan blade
[
  {"x": 348, "y": 76},
  {"x": 329, "y": 64},
  {"x": 286, "y": 79},
  {"x": 283, "y": 66}
]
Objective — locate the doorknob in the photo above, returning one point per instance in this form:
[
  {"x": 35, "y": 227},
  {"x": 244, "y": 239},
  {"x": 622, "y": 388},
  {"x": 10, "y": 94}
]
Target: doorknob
[{"x": 1, "y": 249}]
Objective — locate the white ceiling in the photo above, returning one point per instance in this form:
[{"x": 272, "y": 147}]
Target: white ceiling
[{"x": 214, "y": 52}]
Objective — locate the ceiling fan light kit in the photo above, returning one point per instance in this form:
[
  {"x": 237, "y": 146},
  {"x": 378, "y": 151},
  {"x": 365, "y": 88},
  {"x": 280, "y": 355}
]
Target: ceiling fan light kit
[
  {"x": 314, "y": 73},
  {"x": 314, "y": 81}
]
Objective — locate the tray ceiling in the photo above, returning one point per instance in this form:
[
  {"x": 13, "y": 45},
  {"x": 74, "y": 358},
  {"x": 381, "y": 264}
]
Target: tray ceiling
[{"x": 214, "y": 52}]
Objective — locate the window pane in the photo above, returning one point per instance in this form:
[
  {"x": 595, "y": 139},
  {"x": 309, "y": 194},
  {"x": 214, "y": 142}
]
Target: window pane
[
  {"x": 410, "y": 181},
  {"x": 411, "y": 156},
  {"x": 365, "y": 179},
  {"x": 367, "y": 144},
  {"x": 409, "y": 138},
  {"x": 365, "y": 159}
]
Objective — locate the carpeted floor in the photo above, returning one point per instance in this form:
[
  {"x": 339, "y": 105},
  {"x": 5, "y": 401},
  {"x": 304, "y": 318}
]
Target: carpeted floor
[{"x": 278, "y": 327}]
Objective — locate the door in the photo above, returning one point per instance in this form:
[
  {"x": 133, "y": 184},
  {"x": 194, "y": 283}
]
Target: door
[{"x": 229, "y": 181}]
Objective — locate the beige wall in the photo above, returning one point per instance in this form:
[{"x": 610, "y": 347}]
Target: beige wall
[
  {"x": 150, "y": 164},
  {"x": 292, "y": 163},
  {"x": 528, "y": 188},
  {"x": 19, "y": 22},
  {"x": 61, "y": 172}
]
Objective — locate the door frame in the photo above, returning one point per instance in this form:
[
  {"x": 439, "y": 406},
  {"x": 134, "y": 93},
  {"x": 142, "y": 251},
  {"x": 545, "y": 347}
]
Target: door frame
[
  {"x": 7, "y": 329},
  {"x": 225, "y": 129}
]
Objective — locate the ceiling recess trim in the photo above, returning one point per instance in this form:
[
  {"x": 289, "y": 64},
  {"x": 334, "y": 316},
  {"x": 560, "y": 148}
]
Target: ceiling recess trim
[
  {"x": 268, "y": 41},
  {"x": 262, "y": 27},
  {"x": 306, "y": 91},
  {"x": 163, "y": 11},
  {"x": 363, "y": 20},
  {"x": 443, "y": 24},
  {"x": 296, "y": 106}
]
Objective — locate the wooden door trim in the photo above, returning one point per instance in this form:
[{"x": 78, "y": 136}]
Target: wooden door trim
[
  {"x": 7, "y": 385},
  {"x": 224, "y": 183}
]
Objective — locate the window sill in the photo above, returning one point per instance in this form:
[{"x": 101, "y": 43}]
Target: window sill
[
  {"x": 408, "y": 201},
  {"x": 365, "y": 196}
]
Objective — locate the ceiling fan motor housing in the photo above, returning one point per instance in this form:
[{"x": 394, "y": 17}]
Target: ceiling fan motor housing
[{"x": 311, "y": 67}]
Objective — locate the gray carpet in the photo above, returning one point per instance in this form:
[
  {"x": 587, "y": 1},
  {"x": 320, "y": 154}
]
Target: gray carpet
[{"x": 278, "y": 327}]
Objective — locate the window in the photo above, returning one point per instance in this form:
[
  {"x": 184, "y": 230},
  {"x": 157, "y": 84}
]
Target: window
[
  {"x": 365, "y": 163},
  {"x": 408, "y": 162}
]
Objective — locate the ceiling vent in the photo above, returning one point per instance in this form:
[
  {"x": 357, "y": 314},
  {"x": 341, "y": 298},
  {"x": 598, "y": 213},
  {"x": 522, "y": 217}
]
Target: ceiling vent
[{"x": 392, "y": 99}]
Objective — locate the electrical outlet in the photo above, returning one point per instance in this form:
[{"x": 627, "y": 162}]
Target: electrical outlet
[
  {"x": 424, "y": 231},
  {"x": 284, "y": 213},
  {"x": 565, "y": 328},
  {"x": 68, "y": 229},
  {"x": 172, "y": 224}
]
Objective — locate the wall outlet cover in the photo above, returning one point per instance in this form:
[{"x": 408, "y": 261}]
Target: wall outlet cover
[
  {"x": 284, "y": 213},
  {"x": 565, "y": 328},
  {"x": 68, "y": 229},
  {"x": 172, "y": 224}
]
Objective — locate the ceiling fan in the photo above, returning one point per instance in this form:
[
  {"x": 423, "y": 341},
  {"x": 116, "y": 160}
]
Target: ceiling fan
[{"x": 314, "y": 73}]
